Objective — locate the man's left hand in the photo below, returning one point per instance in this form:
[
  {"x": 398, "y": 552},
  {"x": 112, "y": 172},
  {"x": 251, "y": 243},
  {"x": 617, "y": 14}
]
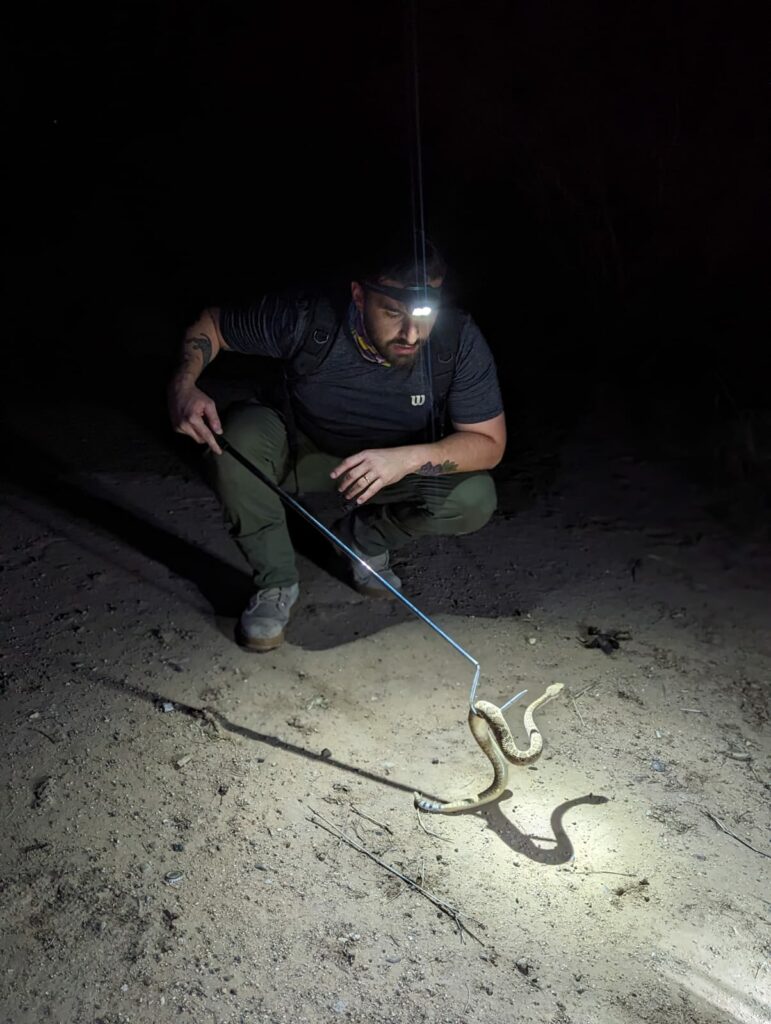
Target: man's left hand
[{"x": 361, "y": 476}]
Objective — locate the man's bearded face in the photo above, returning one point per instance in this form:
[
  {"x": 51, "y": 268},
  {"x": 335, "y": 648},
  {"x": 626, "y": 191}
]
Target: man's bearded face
[{"x": 396, "y": 335}]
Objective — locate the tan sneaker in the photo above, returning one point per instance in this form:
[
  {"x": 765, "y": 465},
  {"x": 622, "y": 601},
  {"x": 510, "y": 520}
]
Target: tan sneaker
[
  {"x": 366, "y": 583},
  {"x": 363, "y": 580},
  {"x": 261, "y": 626}
]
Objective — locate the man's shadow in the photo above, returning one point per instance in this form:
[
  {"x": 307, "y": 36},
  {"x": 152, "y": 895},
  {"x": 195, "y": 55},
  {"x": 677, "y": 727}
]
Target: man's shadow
[
  {"x": 225, "y": 587},
  {"x": 331, "y": 613}
]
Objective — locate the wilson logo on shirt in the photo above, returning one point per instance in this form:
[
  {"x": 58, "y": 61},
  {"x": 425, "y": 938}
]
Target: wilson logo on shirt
[{"x": 418, "y": 399}]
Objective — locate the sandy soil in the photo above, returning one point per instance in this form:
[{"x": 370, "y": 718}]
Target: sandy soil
[{"x": 165, "y": 794}]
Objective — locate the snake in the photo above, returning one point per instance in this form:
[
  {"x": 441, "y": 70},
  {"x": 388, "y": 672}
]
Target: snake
[{"x": 491, "y": 731}]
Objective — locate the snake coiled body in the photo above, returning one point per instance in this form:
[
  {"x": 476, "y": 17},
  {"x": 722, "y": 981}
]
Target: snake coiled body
[{"x": 489, "y": 729}]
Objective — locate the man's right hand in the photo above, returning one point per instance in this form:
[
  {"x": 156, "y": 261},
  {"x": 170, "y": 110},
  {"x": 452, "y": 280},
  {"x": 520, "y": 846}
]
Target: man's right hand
[{"x": 193, "y": 413}]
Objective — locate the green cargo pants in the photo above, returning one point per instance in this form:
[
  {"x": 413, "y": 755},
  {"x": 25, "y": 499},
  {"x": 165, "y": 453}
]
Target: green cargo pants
[{"x": 417, "y": 506}]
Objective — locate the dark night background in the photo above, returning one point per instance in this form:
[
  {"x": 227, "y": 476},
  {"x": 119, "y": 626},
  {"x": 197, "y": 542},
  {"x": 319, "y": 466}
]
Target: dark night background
[{"x": 595, "y": 173}]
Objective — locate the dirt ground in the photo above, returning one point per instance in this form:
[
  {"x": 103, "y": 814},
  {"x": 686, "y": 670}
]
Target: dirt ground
[{"x": 172, "y": 805}]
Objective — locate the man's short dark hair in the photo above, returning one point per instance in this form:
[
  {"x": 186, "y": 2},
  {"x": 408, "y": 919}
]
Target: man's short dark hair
[{"x": 401, "y": 255}]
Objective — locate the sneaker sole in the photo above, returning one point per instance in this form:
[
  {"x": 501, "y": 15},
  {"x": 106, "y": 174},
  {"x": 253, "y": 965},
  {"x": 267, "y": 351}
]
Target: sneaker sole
[
  {"x": 259, "y": 646},
  {"x": 268, "y": 643}
]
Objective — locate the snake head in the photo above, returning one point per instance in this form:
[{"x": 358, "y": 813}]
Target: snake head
[{"x": 553, "y": 690}]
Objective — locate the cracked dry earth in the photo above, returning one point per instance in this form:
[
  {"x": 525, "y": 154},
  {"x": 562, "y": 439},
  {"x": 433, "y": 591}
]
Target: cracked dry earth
[{"x": 173, "y": 806}]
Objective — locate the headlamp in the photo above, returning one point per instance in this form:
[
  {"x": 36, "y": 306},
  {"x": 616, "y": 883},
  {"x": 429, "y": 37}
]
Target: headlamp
[{"x": 421, "y": 300}]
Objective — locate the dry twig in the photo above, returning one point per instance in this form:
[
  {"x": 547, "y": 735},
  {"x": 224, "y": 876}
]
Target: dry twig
[
  {"x": 48, "y": 736},
  {"x": 623, "y": 874},
  {"x": 586, "y": 689},
  {"x": 468, "y": 1000},
  {"x": 757, "y": 777},
  {"x": 380, "y": 824},
  {"x": 733, "y": 835},
  {"x": 580, "y": 716},
  {"x": 453, "y": 914},
  {"x": 428, "y": 831}
]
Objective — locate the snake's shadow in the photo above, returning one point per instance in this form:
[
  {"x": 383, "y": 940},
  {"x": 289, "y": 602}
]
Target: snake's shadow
[{"x": 560, "y": 850}]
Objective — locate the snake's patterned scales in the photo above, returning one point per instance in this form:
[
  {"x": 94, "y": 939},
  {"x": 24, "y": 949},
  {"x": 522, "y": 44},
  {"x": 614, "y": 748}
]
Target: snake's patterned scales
[{"x": 489, "y": 729}]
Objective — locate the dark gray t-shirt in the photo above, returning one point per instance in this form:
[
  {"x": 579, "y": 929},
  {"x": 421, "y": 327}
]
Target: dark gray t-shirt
[{"x": 349, "y": 403}]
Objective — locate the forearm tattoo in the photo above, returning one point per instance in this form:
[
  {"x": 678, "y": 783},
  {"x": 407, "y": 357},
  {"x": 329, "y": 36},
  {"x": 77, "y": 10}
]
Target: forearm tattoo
[
  {"x": 437, "y": 469},
  {"x": 200, "y": 343}
]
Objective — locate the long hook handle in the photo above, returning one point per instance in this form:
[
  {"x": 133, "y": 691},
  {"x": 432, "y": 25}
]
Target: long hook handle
[{"x": 226, "y": 446}]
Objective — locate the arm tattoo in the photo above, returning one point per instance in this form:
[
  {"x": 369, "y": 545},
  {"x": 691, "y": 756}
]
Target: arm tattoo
[
  {"x": 437, "y": 469},
  {"x": 201, "y": 343}
]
